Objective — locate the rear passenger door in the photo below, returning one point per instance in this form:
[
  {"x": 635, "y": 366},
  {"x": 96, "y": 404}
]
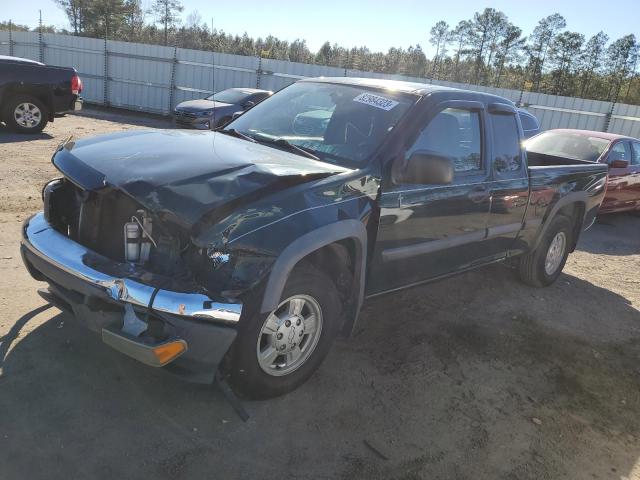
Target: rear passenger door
[
  {"x": 510, "y": 186},
  {"x": 634, "y": 183},
  {"x": 426, "y": 231}
]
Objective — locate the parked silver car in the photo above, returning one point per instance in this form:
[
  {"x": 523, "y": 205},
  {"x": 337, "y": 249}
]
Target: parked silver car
[{"x": 217, "y": 109}]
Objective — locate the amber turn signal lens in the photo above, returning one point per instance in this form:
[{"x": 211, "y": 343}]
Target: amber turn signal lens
[{"x": 169, "y": 351}]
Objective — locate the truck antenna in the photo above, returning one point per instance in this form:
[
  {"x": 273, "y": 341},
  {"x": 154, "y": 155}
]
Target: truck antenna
[{"x": 213, "y": 78}]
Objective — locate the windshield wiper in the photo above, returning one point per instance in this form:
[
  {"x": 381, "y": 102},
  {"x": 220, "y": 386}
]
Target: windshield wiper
[
  {"x": 235, "y": 133},
  {"x": 281, "y": 142}
]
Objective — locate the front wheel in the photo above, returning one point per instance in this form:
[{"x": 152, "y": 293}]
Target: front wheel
[
  {"x": 26, "y": 114},
  {"x": 278, "y": 351},
  {"x": 541, "y": 267}
]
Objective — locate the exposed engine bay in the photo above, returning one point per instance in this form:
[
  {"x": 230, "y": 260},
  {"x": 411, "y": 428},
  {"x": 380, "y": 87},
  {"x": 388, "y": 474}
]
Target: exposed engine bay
[{"x": 115, "y": 226}]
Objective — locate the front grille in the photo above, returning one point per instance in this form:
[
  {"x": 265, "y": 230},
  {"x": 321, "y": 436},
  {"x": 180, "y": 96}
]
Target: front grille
[{"x": 184, "y": 116}]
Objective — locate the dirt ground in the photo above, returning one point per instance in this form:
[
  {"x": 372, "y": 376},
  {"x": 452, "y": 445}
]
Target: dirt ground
[{"x": 476, "y": 377}]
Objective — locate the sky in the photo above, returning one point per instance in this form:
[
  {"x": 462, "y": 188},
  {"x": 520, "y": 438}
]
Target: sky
[{"x": 373, "y": 23}]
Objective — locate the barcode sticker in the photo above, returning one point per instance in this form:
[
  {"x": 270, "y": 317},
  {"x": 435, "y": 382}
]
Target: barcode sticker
[{"x": 376, "y": 101}]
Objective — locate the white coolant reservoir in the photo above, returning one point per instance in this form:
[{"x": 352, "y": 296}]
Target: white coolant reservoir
[
  {"x": 132, "y": 235},
  {"x": 137, "y": 238}
]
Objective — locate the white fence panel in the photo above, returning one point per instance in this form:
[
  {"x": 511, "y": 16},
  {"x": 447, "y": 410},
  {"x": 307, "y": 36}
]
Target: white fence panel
[
  {"x": 25, "y": 45},
  {"x": 279, "y": 73},
  {"x": 625, "y": 126},
  {"x": 63, "y": 51},
  {"x": 552, "y": 118},
  {"x": 139, "y": 77},
  {"x": 569, "y": 103},
  {"x": 4, "y": 43},
  {"x": 627, "y": 110},
  {"x": 155, "y": 78},
  {"x": 194, "y": 77}
]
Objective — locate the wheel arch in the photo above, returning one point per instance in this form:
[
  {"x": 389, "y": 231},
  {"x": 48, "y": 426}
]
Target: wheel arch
[
  {"x": 305, "y": 246},
  {"x": 573, "y": 206}
]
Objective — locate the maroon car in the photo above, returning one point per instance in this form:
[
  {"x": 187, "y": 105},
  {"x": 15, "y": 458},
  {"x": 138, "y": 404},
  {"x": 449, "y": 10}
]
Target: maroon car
[{"x": 621, "y": 153}]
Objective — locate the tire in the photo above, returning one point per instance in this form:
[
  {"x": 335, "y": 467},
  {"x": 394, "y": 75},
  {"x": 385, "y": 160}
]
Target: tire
[
  {"x": 282, "y": 374},
  {"x": 534, "y": 269},
  {"x": 26, "y": 114}
]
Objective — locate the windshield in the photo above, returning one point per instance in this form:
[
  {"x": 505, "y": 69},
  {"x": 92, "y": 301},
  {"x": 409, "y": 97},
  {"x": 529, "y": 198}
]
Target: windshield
[
  {"x": 568, "y": 144},
  {"x": 341, "y": 124},
  {"x": 229, "y": 96}
]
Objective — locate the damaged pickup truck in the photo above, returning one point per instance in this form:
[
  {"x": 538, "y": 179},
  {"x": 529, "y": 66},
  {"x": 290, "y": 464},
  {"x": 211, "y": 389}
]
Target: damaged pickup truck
[{"x": 245, "y": 251}]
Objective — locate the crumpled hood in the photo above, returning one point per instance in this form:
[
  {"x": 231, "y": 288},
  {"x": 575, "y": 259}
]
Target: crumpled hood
[
  {"x": 185, "y": 174},
  {"x": 200, "y": 105}
]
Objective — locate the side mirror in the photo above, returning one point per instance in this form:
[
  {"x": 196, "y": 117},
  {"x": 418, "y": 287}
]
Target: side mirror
[
  {"x": 236, "y": 115},
  {"x": 618, "y": 163},
  {"x": 426, "y": 168},
  {"x": 248, "y": 105}
]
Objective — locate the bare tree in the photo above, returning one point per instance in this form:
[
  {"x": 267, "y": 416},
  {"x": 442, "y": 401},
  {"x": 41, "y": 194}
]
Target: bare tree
[
  {"x": 439, "y": 36},
  {"x": 486, "y": 49},
  {"x": 133, "y": 18},
  {"x": 460, "y": 36},
  {"x": 105, "y": 17},
  {"x": 564, "y": 55},
  {"x": 167, "y": 14},
  {"x": 76, "y": 11},
  {"x": 591, "y": 60},
  {"x": 540, "y": 41},
  {"x": 508, "y": 49},
  {"x": 484, "y": 30},
  {"x": 621, "y": 59},
  {"x": 634, "y": 68}
]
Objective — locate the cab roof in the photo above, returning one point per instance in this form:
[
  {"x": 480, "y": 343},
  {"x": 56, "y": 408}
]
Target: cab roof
[
  {"x": 415, "y": 88},
  {"x": 399, "y": 85}
]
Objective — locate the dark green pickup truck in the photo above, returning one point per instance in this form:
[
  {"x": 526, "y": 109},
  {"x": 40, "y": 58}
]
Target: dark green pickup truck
[{"x": 245, "y": 251}]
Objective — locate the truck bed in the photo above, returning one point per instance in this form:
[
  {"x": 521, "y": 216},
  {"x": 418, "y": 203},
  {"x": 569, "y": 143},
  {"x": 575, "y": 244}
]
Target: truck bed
[{"x": 536, "y": 159}]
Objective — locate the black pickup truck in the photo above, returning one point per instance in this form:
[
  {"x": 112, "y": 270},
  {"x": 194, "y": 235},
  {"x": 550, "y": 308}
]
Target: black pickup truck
[
  {"x": 33, "y": 94},
  {"x": 243, "y": 252}
]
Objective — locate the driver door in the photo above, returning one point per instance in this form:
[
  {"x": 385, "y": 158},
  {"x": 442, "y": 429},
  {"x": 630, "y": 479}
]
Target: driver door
[
  {"x": 427, "y": 231},
  {"x": 620, "y": 187}
]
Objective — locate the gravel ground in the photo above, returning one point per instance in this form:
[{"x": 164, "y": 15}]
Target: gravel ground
[{"x": 474, "y": 377}]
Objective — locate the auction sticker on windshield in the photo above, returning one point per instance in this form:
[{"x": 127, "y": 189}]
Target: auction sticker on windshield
[{"x": 376, "y": 101}]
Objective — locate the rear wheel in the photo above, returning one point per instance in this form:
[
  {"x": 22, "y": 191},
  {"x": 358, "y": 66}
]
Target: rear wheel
[
  {"x": 541, "y": 267},
  {"x": 278, "y": 351},
  {"x": 26, "y": 114}
]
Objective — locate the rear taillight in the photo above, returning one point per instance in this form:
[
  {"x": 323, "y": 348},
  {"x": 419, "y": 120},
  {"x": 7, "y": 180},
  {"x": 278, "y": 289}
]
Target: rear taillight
[{"x": 76, "y": 84}]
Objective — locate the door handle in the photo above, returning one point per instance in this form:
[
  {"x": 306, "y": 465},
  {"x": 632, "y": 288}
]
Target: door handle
[{"x": 479, "y": 196}]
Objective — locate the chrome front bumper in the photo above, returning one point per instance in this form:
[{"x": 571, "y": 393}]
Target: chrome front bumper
[{"x": 60, "y": 252}]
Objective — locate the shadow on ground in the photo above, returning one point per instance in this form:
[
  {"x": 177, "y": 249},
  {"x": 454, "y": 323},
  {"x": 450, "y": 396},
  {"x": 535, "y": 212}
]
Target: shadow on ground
[
  {"x": 625, "y": 241},
  {"x": 126, "y": 117},
  {"x": 90, "y": 112},
  {"x": 7, "y": 136},
  {"x": 474, "y": 377}
]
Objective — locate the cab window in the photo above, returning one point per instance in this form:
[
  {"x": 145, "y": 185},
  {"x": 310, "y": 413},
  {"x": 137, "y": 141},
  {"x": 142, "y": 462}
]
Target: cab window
[
  {"x": 635, "y": 158},
  {"x": 507, "y": 156},
  {"x": 620, "y": 151},
  {"x": 454, "y": 133}
]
